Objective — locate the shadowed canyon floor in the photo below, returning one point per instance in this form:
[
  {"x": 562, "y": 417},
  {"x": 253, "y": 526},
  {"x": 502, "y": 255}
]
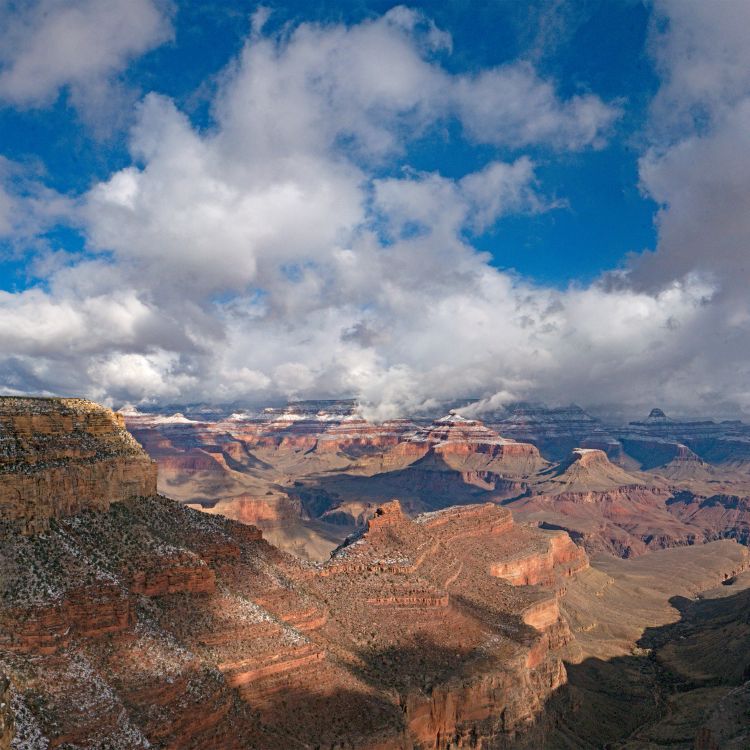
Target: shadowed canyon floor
[
  {"x": 682, "y": 682},
  {"x": 128, "y": 620}
]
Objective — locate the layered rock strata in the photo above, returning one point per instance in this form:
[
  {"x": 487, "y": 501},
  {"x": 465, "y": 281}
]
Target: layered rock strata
[
  {"x": 554, "y": 431},
  {"x": 60, "y": 456},
  {"x": 403, "y": 642},
  {"x": 137, "y": 622},
  {"x": 309, "y": 474},
  {"x": 468, "y": 445},
  {"x": 605, "y": 508}
]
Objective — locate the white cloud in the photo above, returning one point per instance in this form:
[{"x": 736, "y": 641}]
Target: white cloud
[
  {"x": 500, "y": 189},
  {"x": 28, "y": 207},
  {"x": 697, "y": 169},
  {"x": 373, "y": 84},
  {"x": 265, "y": 258},
  {"x": 140, "y": 376},
  {"x": 512, "y": 106},
  {"x": 703, "y": 57},
  {"x": 46, "y": 45}
]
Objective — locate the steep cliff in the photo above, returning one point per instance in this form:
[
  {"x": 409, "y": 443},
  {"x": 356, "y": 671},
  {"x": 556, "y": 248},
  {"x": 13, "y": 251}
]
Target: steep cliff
[
  {"x": 466, "y": 445},
  {"x": 61, "y": 456}
]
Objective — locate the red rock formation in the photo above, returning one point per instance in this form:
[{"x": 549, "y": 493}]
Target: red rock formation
[
  {"x": 63, "y": 456},
  {"x": 604, "y": 507},
  {"x": 248, "y": 468},
  {"x": 356, "y": 437},
  {"x": 265, "y": 512},
  {"x": 466, "y": 444},
  {"x": 152, "y": 623},
  {"x": 562, "y": 557},
  {"x": 717, "y": 516}
]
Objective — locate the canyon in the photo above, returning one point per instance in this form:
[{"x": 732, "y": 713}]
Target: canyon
[
  {"x": 469, "y": 592},
  {"x": 128, "y": 620},
  {"x": 311, "y": 473}
]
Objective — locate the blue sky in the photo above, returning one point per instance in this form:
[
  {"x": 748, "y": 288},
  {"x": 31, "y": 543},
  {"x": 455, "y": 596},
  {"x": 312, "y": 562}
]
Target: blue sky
[
  {"x": 404, "y": 203},
  {"x": 594, "y": 47}
]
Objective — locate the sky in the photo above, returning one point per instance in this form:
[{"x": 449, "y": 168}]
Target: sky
[{"x": 404, "y": 204}]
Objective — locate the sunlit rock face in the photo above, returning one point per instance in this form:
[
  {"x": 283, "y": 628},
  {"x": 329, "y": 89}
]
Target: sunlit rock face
[
  {"x": 311, "y": 473},
  {"x": 467, "y": 444},
  {"x": 133, "y": 621},
  {"x": 60, "y": 456},
  {"x": 604, "y": 507}
]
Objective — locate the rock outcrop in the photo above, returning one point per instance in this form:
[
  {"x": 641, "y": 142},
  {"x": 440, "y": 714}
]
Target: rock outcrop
[
  {"x": 61, "y": 456},
  {"x": 604, "y": 507},
  {"x": 309, "y": 474},
  {"x": 397, "y": 637},
  {"x": 129, "y": 621},
  {"x": 586, "y": 471},
  {"x": 469, "y": 443},
  {"x": 355, "y": 437},
  {"x": 718, "y": 516},
  {"x": 650, "y": 441}
]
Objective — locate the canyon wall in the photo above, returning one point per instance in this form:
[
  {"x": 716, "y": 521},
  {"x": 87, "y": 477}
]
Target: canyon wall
[
  {"x": 127, "y": 620},
  {"x": 61, "y": 456},
  {"x": 203, "y": 635}
]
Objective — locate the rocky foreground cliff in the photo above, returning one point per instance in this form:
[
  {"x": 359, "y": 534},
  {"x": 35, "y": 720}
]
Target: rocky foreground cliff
[
  {"x": 61, "y": 456},
  {"x": 129, "y": 621}
]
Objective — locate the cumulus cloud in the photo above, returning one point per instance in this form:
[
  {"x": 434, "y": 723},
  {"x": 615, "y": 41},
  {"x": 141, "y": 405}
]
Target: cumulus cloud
[
  {"x": 280, "y": 254},
  {"x": 46, "y": 45},
  {"x": 27, "y": 209},
  {"x": 512, "y": 105},
  {"x": 373, "y": 85},
  {"x": 702, "y": 54}
]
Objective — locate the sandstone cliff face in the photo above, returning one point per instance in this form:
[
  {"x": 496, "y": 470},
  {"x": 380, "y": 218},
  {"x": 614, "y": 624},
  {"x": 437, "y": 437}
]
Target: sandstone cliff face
[
  {"x": 439, "y": 567},
  {"x": 309, "y": 476},
  {"x": 142, "y": 623},
  {"x": 603, "y": 507},
  {"x": 561, "y": 557},
  {"x": 60, "y": 456},
  {"x": 356, "y": 437},
  {"x": 467, "y": 444}
]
